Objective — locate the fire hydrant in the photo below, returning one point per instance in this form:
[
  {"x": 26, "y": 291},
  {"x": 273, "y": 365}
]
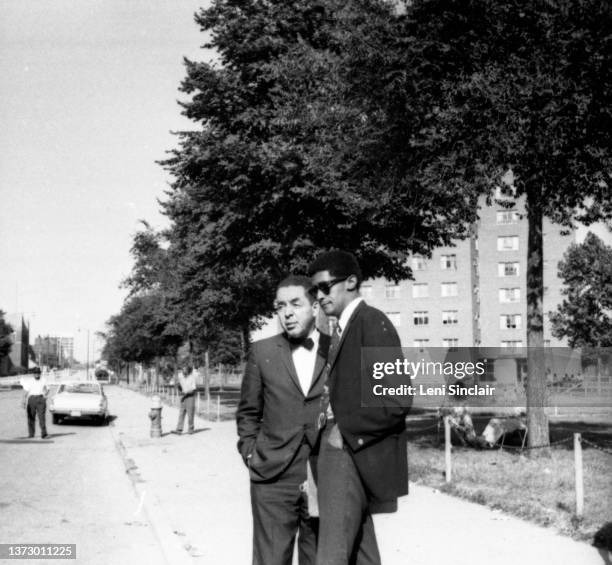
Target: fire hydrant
[{"x": 156, "y": 416}]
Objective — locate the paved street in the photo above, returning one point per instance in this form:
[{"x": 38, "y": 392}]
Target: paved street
[{"x": 70, "y": 488}]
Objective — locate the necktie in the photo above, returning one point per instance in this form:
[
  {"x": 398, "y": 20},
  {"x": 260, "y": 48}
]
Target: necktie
[{"x": 326, "y": 409}]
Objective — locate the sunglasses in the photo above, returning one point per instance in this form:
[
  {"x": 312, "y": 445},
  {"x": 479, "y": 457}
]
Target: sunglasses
[{"x": 325, "y": 286}]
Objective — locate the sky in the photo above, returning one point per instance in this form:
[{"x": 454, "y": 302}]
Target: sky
[{"x": 88, "y": 100}]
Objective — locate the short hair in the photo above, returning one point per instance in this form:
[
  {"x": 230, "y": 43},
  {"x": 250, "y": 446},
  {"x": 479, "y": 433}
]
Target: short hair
[
  {"x": 338, "y": 263},
  {"x": 297, "y": 280}
]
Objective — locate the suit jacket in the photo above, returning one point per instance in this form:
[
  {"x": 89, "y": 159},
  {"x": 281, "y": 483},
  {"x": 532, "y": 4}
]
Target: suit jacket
[
  {"x": 376, "y": 436},
  {"x": 274, "y": 416}
]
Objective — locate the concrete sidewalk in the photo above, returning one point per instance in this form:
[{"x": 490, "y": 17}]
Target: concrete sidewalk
[{"x": 195, "y": 491}]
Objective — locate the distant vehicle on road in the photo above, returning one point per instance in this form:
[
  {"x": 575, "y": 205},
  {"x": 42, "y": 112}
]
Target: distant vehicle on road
[{"x": 79, "y": 399}]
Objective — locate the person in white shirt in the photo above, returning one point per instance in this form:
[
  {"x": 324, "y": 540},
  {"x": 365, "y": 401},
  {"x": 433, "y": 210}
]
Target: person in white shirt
[
  {"x": 188, "y": 388},
  {"x": 35, "y": 403}
]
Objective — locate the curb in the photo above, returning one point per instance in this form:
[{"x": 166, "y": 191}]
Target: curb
[{"x": 173, "y": 550}]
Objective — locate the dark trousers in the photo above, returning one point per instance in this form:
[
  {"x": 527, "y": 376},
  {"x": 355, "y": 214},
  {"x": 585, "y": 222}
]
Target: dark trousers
[
  {"x": 187, "y": 407},
  {"x": 346, "y": 529},
  {"x": 280, "y": 511},
  {"x": 37, "y": 405}
]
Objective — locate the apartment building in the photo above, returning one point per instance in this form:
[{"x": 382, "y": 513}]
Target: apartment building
[{"x": 474, "y": 293}]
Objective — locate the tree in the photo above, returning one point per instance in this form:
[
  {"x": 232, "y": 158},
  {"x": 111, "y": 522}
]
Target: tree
[
  {"x": 6, "y": 341},
  {"x": 504, "y": 87},
  {"x": 585, "y": 315},
  {"x": 271, "y": 178}
]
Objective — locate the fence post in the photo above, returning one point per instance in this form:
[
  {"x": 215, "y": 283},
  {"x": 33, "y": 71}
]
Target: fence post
[
  {"x": 447, "y": 448},
  {"x": 578, "y": 473},
  {"x": 208, "y": 403},
  {"x": 218, "y": 408}
]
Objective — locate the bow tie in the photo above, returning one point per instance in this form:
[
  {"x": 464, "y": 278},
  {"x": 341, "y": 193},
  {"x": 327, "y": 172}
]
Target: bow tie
[{"x": 307, "y": 342}]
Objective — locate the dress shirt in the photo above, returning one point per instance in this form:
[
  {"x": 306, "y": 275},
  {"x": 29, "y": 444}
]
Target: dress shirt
[
  {"x": 304, "y": 361},
  {"x": 347, "y": 313}
]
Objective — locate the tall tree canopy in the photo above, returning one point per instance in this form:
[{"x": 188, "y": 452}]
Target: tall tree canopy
[
  {"x": 585, "y": 315},
  {"x": 285, "y": 163},
  {"x": 506, "y": 86}
]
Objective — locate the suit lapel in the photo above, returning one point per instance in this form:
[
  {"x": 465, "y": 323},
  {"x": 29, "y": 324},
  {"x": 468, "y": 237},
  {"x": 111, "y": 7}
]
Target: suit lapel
[
  {"x": 321, "y": 359},
  {"x": 334, "y": 351},
  {"x": 287, "y": 359}
]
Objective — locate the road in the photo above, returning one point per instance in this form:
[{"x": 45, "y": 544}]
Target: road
[{"x": 69, "y": 488}]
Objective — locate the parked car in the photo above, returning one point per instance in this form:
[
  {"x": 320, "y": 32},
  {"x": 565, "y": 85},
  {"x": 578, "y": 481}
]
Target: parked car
[{"x": 79, "y": 399}]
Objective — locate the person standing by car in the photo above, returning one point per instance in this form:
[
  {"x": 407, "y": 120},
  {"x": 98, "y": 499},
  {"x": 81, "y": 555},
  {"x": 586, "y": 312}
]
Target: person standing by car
[
  {"x": 187, "y": 386},
  {"x": 35, "y": 402}
]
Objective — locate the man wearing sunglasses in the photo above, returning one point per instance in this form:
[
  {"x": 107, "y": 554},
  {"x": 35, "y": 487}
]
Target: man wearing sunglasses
[
  {"x": 362, "y": 463},
  {"x": 276, "y": 417}
]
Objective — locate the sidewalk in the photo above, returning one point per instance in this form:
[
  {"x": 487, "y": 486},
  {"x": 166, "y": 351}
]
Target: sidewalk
[{"x": 195, "y": 491}]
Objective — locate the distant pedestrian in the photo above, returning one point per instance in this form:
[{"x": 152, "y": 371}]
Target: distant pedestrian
[
  {"x": 35, "y": 403},
  {"x": 187, "y": 386}
]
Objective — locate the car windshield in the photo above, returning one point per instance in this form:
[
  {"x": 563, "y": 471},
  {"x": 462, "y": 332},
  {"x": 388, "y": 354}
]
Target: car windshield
[{"x": 85, "y": 388}]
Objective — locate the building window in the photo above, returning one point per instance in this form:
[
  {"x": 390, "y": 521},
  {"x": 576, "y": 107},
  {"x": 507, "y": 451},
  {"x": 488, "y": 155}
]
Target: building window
[
  {"x": 366, "y": 290},
  {"x": 510, "y": 322},
  {"x": 419, "y": 263},
  {"x": 449, "y": 316},
  {"x": 448, "y": 262},
  {"x": 392, "y": 291},
  {"x": 511, "y": 344},
  {"x": 507, "y": 243},
  {"x": 395, "y": 318},
  {"x": 508, "y": 269},
  {"x": 420, "y": 290},
  {"x": 421, "y": 318},
  {"x": 420, "y": 342},
  {"x": 507, "y": 217},
  {"x": 449, "y": 289},
  {"x": 509, "y": 295},
  {"x": 450, "y": 342}
]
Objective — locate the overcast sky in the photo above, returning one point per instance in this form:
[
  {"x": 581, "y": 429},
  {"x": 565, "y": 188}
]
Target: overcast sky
[{"x": 87, "y": 102}]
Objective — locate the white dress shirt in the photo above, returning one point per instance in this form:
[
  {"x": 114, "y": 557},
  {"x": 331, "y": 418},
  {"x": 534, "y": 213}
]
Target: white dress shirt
[
  {"x": 347, "y": 313},
  {"x": 304, "y": 361}
]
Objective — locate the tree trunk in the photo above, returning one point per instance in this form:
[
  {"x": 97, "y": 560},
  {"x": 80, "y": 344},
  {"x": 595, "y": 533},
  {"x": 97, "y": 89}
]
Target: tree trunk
[
  {"x": 245, "y": 338},
  {"x": 537, "y": 421}
]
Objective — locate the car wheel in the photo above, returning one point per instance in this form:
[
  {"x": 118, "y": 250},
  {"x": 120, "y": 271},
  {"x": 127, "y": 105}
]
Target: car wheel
[{"x": 57, "y": 419}]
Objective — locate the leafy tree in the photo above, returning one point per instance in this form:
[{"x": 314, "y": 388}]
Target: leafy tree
[
  {"x": 276, "y": 172},
  {"x": 503, "y": 87},
  {"x": 585, "y": 315},
  {"x": 6, "y": 341},
  {"x": 140, "y": 332}
]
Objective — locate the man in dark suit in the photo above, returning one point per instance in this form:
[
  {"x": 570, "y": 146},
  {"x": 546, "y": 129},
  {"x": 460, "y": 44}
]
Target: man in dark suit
[
  {"x": 362, "y": 462},
  {"x": 277, "y": 424}
]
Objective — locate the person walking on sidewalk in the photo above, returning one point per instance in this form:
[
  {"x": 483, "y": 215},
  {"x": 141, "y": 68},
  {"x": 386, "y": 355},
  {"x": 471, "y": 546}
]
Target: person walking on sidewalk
[
  {"x": 187, "y": 386},
  {"x": 276, "y": 419},
  {"x": 35, "y": 403},
  {"x": 362, "y": 463}
]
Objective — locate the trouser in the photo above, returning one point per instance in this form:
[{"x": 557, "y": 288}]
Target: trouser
[
  {"x": 187, "y": 407},
  {"x": 37, "y": 406},
  {"x": 346, "y": 529},
  {"x": 280, "y": 511}
]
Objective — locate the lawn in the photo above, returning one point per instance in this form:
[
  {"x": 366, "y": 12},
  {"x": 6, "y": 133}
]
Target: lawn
[{"x": 538, "y": 489}]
